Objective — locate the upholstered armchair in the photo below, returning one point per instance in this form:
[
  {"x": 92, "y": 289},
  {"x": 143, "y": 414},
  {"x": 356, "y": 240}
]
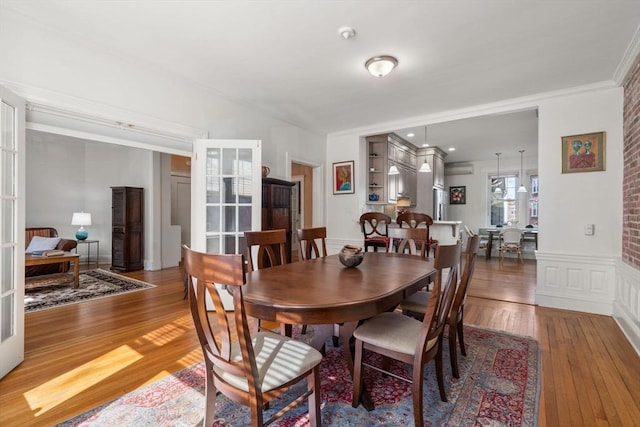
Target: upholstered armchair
[{"x": 63, "y": 245}]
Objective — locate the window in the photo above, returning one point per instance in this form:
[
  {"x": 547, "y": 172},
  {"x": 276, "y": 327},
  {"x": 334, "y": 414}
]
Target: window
[
  {"x": 533, "y": 201},
  {"x": 502, "y": 206}
]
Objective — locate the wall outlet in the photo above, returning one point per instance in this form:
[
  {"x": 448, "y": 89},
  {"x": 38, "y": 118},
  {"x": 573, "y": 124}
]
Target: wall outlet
[{"x": 589, "y": 229}]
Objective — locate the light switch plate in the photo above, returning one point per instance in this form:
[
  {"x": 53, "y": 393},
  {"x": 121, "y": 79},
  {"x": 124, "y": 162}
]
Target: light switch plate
[{"x": 589, "y": 229}]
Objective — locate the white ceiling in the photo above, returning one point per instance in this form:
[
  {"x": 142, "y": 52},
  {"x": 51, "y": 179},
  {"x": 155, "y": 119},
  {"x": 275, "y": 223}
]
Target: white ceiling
[{"x": 286, "y": 57}]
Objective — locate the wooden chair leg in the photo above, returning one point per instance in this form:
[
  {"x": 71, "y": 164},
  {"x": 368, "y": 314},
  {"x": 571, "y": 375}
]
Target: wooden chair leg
[
  {"x": 440, "y": 372},
  {"x": 357, "y": 375},
  {"x": 453, "y": 352},
  {"x": 313, "y": 383},
  {"x": 210, "y": 393},
  {"x": 463, "y": 350},
  {"x": 416, "y": 388}
]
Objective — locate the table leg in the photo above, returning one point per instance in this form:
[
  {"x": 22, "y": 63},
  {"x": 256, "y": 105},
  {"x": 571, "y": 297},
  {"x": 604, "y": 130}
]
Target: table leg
[
  {"x": 487, "y": 250},
  {"x": 76, "y": 272}
]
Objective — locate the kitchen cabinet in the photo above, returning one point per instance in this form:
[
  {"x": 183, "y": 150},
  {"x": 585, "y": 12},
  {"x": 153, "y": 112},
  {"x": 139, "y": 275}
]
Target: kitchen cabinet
[{"x": 383, "y": 151}]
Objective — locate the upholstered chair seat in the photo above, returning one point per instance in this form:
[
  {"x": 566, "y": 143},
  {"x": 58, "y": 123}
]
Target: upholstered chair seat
[{"x": 393, "y": 332}]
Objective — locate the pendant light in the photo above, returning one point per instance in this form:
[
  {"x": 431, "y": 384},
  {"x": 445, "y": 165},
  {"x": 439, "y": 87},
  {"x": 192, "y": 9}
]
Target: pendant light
[
  {"x": 522, "y": 188},
  {"x": 425, "y": 166},
  {"x": 498, "y": 191}
]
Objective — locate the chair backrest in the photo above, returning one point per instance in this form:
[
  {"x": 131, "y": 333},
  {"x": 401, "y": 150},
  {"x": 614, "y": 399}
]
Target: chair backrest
[
  {"x": 307, "y": 242},
  {"x": 411, "y": 240},
  {"x": 442, "y": 293},
  {"x": 512, "y": 236},
  {"x": 414, "y": 219},
  {"x": 227, "y": 346},
  {"x": 473, "y": 243},
  {"x": 374, "y": 224},
  {"x": 468, "y": 231},
  {"x": 271, "y": 248}
]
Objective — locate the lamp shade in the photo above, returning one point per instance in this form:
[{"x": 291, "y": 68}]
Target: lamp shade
[
  {"x": 81, "y": 218},
  {"x": 393, "y": 170}
]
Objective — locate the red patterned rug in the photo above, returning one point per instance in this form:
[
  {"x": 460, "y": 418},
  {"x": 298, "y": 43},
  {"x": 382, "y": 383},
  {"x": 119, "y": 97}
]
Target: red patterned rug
[{"x": 498, "y": 386}]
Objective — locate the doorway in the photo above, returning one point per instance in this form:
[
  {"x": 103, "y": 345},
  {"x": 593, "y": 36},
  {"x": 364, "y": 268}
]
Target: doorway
[{"x": 301, "y": 201}]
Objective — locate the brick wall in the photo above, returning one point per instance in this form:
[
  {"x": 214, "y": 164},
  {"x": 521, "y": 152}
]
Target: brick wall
[{"x": 631, "y": 177}]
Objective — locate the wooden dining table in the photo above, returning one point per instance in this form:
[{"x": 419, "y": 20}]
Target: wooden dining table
[{"x": 322, "y": 291}]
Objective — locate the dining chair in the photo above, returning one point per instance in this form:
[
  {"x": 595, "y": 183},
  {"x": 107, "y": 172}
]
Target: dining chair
[
  {"x": 416, "y": 220},
  {"x": 396, "y": 336},
  {"x": 308, "y": 244},
  {"x": 308, "y": 240},
  {"x": 251, "y": 369},
  {"x": 271, "y": 248},
  {"x": 374, "y": 227},
  {"x": 416, "y": 304},
  {"x": 511, "y": 241},
  {"x": 408, "y": 240}
]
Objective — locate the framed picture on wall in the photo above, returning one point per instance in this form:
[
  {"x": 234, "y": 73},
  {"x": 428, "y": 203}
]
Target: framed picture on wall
[
  {"x": 583, "y": 153},
  {"x": 343, "y": 177},
  {"x": 458, "y": 195}
]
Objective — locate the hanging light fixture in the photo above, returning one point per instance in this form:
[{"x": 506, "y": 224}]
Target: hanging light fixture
[
  {"x": 380, "y": 66},
  {"x": 425, "y": 166},
  {"x": 522, "y": 188},
  {"x": 498, "y": 191}
]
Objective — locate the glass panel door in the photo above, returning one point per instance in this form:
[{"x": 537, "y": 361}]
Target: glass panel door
[
  {"x": 11, "y": 231},
  {"x": 226, "y": 195}
]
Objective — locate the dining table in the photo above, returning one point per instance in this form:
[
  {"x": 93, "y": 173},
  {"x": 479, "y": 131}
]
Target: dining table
[{"x": 322, "y": 291}]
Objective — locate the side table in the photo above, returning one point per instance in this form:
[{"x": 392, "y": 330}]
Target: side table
[{"x": 89, "y": 242}]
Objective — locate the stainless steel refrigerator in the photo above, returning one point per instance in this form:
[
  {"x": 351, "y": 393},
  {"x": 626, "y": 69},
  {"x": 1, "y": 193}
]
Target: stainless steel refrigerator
[{"x": 439, "y": 204}]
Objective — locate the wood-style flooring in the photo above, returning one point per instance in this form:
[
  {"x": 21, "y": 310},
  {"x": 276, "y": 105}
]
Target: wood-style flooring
[{"x": 82, "y": 355}]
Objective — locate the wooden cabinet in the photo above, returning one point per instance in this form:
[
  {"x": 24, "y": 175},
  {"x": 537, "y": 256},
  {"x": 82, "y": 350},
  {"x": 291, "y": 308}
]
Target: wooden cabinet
[
  {"x": 276, "y": 208},
  {"x": 127, "y": 228}
]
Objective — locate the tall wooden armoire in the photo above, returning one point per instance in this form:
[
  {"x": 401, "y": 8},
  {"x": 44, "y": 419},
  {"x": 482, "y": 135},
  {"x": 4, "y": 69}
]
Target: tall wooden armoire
[
  {"x": 127, "y": 226},
  {"x": 276, "y": 207}
]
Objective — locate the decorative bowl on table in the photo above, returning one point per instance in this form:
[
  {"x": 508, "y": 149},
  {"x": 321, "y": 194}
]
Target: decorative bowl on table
[{"x": 351, "y": 255}]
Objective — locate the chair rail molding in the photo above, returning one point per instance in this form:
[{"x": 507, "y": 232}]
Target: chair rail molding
[
  {"x": 576, "y": 282},
  {"x": 626, "y": 303}
]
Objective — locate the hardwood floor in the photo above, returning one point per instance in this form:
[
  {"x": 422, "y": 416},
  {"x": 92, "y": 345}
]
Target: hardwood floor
[{"x": 82, "y": 355}]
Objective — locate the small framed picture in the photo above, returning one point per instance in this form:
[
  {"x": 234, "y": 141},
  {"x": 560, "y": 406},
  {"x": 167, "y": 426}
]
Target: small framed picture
[
  {"x": 343, "y": 178},
  {"x": 458, "y": 195},
  {"x": 583, "y": 153}
]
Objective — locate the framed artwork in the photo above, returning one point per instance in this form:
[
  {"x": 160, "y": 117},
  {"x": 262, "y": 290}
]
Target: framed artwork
[
  {"x": 343, "y": 178},
  {"x": 583, "y": 153},
  {"x": 458, "y": 195}
]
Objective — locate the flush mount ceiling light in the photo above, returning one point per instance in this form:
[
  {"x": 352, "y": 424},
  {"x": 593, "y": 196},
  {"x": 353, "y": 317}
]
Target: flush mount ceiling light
[
  {"x": 380, "y": 66},
  {"x": 347, "y": 32}
]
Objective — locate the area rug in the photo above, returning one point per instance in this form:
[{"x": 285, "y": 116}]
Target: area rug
[
  {"x": 57, "y": 289},
  {"x": 498, "y": 386}
]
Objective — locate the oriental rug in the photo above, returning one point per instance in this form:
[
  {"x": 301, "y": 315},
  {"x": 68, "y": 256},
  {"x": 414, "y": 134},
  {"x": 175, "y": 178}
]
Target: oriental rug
[
  {"x": 53, "y": 290},
  {"x": 498, "y": 386}
]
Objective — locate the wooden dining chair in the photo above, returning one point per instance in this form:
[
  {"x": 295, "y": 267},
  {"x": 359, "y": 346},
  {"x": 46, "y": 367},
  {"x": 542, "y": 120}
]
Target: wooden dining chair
[
  {"x": 408, "y": 240},
  {"x": 374, "y": 227},
  {"x": 417, "y": 303},
  {"x": 251, "y": 369},
  {"x": 415, "y": 342},
  {"x": 417, "y": 220},
  {"x": 271, "y": 248},
  {"x": 308, "y": 241}
]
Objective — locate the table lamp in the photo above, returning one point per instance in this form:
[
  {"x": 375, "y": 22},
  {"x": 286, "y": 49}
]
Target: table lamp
[{"x": 81, "y": 219}]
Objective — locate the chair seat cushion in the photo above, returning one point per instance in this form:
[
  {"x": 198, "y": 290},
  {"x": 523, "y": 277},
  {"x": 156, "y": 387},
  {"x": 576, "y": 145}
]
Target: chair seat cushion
[
  {"x": 279, "y": 359},
  {"x": 392, "y": 331},
  {"x": 416, "y": 303},
  {"x": 377, "y": 239}
]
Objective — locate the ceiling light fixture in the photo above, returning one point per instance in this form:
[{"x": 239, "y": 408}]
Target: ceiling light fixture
[
  {"x": 498, "y": 191},
  {"x": 410, "y": 135},
  {"x": 393, "y": 170},
  {"x": 347, "y": 32},
  {"x": 380, "y": 66},
  {"x": 425, "y": 166},
  {"x": 522, "y": 188}
]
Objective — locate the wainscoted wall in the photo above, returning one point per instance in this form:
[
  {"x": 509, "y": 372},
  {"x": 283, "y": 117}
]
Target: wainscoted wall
[
  {"x": 626, "y": 305},
  {"x": 576, "y": 282}
]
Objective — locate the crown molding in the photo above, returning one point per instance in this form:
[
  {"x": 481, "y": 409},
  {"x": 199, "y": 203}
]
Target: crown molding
[{"x": 628, "y": 60}]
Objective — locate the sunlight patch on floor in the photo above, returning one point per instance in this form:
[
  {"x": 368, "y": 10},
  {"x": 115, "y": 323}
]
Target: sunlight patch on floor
[{"x": 64, "y": 387}]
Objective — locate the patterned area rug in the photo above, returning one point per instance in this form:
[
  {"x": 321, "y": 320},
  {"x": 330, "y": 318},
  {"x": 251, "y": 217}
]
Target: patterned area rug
[
  {"x": 57, "y": 289},
  {"x": 498, "y": 386}
]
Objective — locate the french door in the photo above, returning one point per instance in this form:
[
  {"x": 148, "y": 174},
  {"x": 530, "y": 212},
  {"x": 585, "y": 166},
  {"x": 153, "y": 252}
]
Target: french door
[
  {"x": 226, "y": 198},
  {"x": 12, "y": 204}
]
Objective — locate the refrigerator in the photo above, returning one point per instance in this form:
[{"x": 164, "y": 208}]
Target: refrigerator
[{"x": 439, "y": 204}]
